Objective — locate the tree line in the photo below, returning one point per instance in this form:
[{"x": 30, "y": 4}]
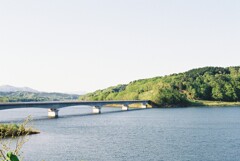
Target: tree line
[{"x": 208, "y": 83}]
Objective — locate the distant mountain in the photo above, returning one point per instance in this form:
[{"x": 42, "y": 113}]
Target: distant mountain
[
  {"x": 25, "y": 94},
  {"x": 22, "y": 96},
  {"x": 8, "y": 88}
]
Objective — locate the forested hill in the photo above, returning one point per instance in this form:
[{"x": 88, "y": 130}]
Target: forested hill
[
  {"x": 208, "y": 83},
  {"x": 23, "y": 96}
]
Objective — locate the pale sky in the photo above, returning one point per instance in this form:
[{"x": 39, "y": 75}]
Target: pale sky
[{"x": 85, "y": 45}]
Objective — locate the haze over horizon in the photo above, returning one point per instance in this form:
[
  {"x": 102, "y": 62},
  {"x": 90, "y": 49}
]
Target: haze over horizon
[{"x": 66, "y": 46}]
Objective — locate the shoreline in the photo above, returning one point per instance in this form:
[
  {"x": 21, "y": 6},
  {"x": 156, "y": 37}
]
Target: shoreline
[
  {"x": 197, "y": 103},
  {"x": 193, "y": 103}
]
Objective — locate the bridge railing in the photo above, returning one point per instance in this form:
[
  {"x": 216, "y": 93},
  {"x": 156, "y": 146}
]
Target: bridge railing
[{"x": 53, "y": 107}]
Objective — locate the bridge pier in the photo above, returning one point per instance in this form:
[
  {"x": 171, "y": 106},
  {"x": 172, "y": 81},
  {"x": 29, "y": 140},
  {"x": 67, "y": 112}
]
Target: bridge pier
[
  {"x": 97, "y": 109},
  {"x": 53, "y": 113},
  {"x": 144, "y": 105},
  {"x": 125, "y": 107}
]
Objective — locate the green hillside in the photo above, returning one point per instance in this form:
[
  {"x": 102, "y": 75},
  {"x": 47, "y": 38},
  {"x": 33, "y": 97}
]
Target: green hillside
[
  {"x": 31, "y": 96},
  {"x": 208, "y": 83}
]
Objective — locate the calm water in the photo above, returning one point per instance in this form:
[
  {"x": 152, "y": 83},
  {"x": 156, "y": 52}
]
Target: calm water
[{"x": 193, "y": 134}]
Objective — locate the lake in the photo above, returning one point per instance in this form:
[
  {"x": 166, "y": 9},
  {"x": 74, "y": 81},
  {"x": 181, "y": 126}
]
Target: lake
[{"x": 170, "y": 134}]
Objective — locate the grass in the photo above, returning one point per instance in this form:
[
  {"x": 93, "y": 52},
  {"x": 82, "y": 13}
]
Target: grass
[
  {"x": 15, "y": 130},
  {"x": 194, "y": 103},
  {"x": 12, "y": 130},
  {"x": 213, "y": 103},
  {"x": 12, "y": 138}
]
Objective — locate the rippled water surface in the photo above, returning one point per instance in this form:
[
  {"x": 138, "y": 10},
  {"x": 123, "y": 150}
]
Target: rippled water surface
[{"x": 193, "y": 134}]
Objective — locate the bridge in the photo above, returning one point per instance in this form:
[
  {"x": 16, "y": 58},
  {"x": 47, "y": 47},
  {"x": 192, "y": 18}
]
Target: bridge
[{"x": 53, "y": 107}]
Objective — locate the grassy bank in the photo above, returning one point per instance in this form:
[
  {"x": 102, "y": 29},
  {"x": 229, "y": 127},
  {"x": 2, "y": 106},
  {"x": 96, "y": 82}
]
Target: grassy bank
[
  {"x": 193, "y": 103},
  {"x": 214, "y": 103},
  {"x": 196, "y": 103},
  {"x": 14, "y": 130}
]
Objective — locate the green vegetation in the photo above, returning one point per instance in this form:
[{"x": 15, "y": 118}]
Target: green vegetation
[
  {"x": 31, "y": 96},
  {"x": 208, "y": 83},
  {"x": 12, "y": 130},
  {"x": 12, "y": 139},
  {"x": 15, "y": 130},
  {"x": 214, "y": 103}
]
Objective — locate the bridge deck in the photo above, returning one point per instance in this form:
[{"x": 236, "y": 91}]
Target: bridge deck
[{"x": 62, "y": 104}]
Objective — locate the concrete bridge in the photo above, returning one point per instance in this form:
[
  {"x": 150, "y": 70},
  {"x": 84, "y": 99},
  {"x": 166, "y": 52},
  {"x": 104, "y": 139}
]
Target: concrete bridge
[{"x": 53, "y": 107}]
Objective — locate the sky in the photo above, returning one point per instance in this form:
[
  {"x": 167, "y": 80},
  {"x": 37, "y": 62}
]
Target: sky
[{"x": 85, "y": 45}]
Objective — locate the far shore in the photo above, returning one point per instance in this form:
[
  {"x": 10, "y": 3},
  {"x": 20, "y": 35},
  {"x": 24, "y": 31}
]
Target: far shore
[
  {"x": 193, "y": 103},
  {"x": 214, "y": 103}
]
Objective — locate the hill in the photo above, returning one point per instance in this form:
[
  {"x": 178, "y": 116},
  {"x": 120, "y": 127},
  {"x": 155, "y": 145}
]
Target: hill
[
  {"x": 8, "y": 88},
  {"x": 34, "y": 97},
  {"x": 208, "y": 83},
  {"x": 25, "y": 94}
]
